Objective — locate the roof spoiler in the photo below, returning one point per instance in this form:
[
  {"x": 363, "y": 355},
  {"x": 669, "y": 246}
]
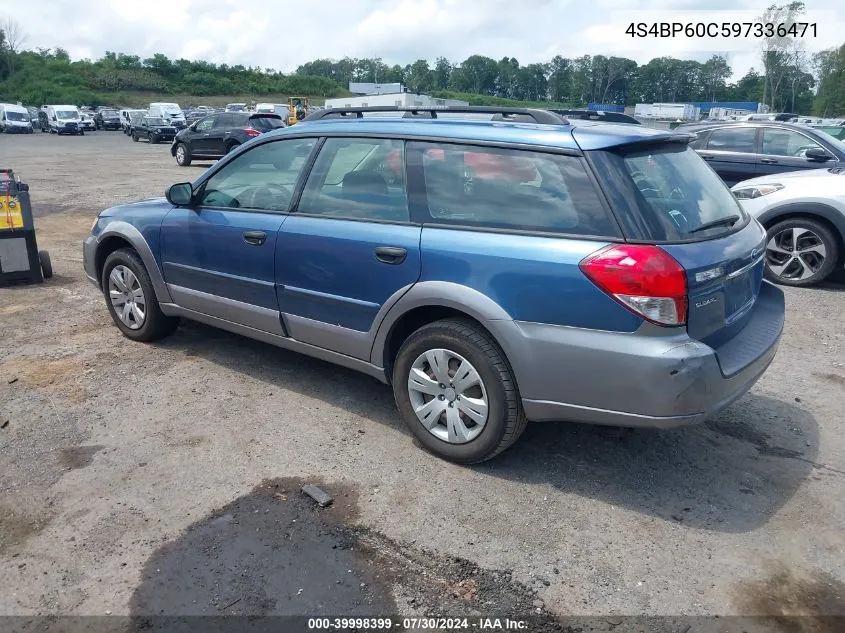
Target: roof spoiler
[{"x": 498, "y": 113}]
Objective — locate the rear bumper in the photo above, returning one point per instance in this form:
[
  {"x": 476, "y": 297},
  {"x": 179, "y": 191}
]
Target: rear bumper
[{"x": 648, "y": 378}]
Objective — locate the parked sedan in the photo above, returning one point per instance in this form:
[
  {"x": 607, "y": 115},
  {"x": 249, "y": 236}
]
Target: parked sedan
[
  {"x": 153, "y": 129},
  {"x": 742, "y": 150},
  {"x": 216, "y": 135},
  {"x": 803, "y": 213}
]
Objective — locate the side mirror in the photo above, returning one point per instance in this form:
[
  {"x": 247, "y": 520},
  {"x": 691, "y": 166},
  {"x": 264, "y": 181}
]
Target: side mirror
[
  {"x": 817, "y": 154},
  {"x": 180, "y": 194}
]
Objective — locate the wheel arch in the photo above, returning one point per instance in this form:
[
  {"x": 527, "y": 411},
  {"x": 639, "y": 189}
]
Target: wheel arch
[
  {"x": 832, "y": 218},
  {"x": 120, "y": 235},
  {"x": 425, "y": 303}
]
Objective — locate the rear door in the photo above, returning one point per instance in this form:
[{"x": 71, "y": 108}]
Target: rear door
[
  {"x": 732, "y": 152},
  {"x": 784, "y": 150},
  {"x": 350, "y": 247},
  {"x": 218, "y": 256}
]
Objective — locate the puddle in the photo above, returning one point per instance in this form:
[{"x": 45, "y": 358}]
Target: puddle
[
  {"x": 274, "y": 552},
  {"x": 78, "y": 456},
  {"x": 18, "y": 524},
  {"x": 793, "y": 604}
]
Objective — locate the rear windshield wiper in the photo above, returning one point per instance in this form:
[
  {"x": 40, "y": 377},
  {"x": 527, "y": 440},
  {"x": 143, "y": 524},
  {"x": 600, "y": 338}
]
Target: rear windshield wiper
[{"x": 728, "y": 221}]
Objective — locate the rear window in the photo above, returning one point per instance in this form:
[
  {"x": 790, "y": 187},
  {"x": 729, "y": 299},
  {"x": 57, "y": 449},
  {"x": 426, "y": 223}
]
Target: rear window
[
  {"x": 680, "y": 197},
  {"x": 265, "y": 123},
  {"x": 511, "y": 189}
]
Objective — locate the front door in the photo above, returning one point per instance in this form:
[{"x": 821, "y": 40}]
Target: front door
[
  {"x": 215, "y": 139},
  {"x": 199, "y": 139},
  {"x": 218, "y": 256},
  {"x": 785, "y": 150},
  {"x": 349, "y": 248}
]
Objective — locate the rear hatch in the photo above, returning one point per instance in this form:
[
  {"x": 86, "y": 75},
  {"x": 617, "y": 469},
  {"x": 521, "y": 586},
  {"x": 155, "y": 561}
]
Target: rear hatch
[{"x": 664, "y": 194}]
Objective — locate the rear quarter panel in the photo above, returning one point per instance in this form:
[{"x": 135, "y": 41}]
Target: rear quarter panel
[{"x": 532, "y": 278}]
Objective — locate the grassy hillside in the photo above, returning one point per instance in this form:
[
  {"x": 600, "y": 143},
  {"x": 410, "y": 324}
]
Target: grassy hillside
[{"x": 142, "y": 99}]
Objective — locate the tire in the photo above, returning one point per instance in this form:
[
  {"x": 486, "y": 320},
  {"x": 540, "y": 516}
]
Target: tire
[
  {"x": 231, "y": 146},
  {"x": 816, "y": 257},
  {"x": 155, "y": 324},
  {"x": 46, "y": 264},
  {"x": 505, "y": 419},
  {"x": 81, "y": 132},
  {"x": 183, "y": 155},
  {"x": 135, "y": 137},
  {"x": 154, "y": 140}
]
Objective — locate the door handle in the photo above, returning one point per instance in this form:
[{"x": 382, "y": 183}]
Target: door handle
[
  {"x": 255, "y": 238},
  {"x": 391, "y": 254},
  {"x": 707, "y": 157},
  {"x": 769, "y": 161}
]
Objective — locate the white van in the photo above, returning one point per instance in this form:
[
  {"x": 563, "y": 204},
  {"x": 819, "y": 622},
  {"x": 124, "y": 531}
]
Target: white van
[
  {"x": 273, "y": 108},
  {"x": 64, "y": 119},
  {"x": 126, "y": 116},
  {"x": 14, "y": 118},
  {"x": 170, "y": 112}
]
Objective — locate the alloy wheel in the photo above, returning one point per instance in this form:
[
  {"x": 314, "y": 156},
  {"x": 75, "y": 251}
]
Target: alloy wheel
[
  {"x": 448, "y": 396},
  {"x": 795, "y": 253}
]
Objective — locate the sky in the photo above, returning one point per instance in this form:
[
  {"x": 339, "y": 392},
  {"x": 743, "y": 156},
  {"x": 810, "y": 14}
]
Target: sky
[{"x": 276, "y": 34}]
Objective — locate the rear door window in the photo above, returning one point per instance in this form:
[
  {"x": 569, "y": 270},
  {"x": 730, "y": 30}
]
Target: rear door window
[
  {"x": 358, "y": 178},
  {"x": 511, "y": 189},
  {"x": 733, "y": 139}
]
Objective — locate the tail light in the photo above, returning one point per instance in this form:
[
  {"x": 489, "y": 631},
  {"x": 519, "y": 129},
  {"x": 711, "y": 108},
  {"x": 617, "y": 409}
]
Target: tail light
[
  {"x": 645, "y": 279},
  {"x": 251, "y": 132}
]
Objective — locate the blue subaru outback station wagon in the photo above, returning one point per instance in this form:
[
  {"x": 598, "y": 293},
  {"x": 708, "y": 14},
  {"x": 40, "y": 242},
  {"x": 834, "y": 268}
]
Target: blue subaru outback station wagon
[{"x": 493, "y": 266}]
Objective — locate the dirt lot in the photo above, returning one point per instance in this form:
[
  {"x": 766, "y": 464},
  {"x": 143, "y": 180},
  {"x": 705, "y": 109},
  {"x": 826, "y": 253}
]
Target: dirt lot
[{"x": 164, "y": 478}]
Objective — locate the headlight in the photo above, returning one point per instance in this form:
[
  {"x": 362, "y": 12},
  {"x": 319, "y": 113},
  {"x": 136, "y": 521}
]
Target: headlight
[
  {"x": 758, "y": 191},
  {"x": 159, "y": 130}
]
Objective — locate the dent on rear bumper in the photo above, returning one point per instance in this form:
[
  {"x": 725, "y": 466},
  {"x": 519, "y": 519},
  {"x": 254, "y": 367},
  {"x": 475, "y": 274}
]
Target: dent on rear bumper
[{"x": 641, "y": 379}]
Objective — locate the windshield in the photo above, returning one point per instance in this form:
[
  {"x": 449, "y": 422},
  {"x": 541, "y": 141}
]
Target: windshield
[
  {"x": 173, "y": 111},
  {"x": 136, "y": 116},
  {"x": 67, "y": 114},
  {"x": 109, "y": 113},
  {"x": 155, "y": 121},
  {"x": 679, "y": 195},
  {"x": 827, "y": 136},
  {"x": 265, "y": 123},
  {"x": 17, "y": 116}
]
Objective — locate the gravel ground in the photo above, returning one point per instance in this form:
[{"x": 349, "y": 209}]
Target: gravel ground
[{"x": 124, "y": 467}]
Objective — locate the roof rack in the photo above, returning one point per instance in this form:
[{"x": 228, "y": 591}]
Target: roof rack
[{"x": 499, "y": 113}]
